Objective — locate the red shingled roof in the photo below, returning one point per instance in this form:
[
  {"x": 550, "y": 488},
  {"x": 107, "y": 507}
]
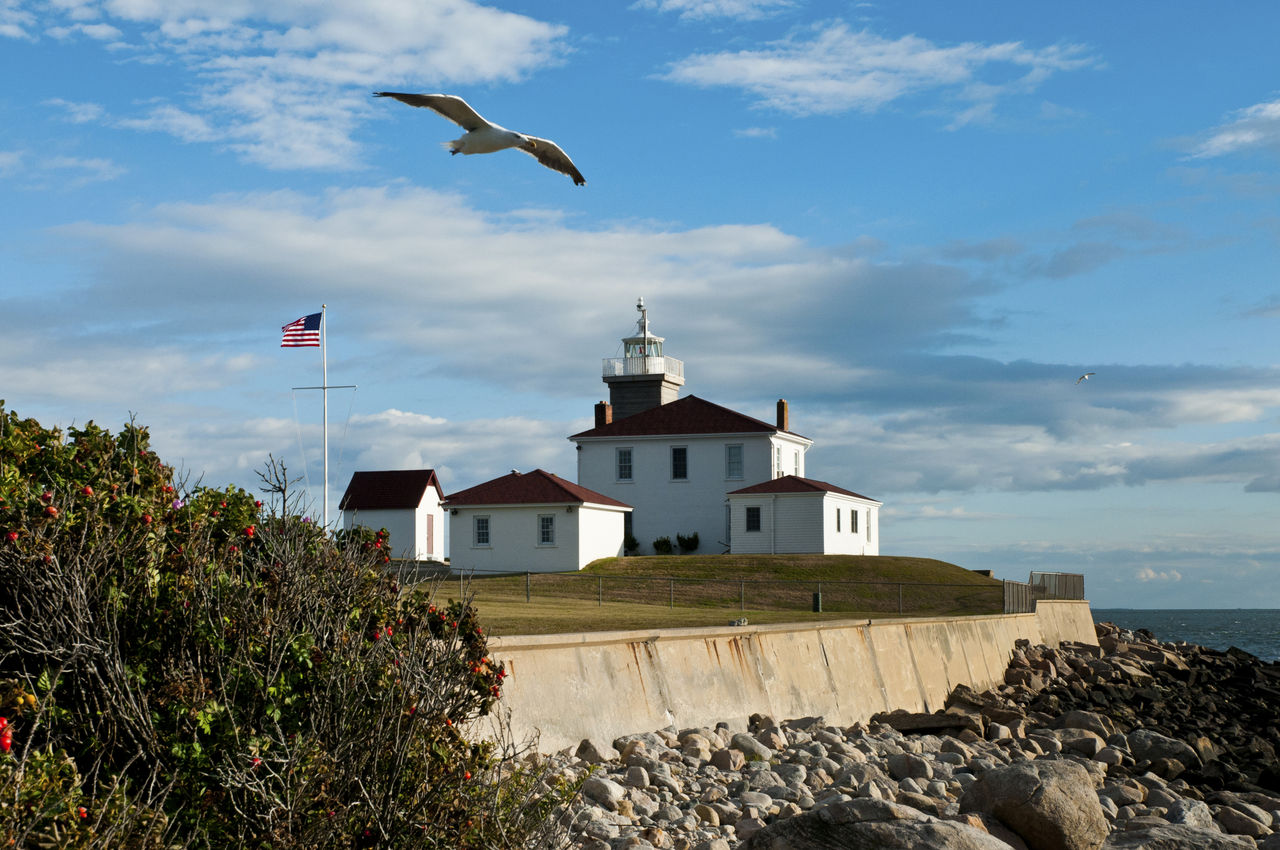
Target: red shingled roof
[
  {"x": 529, "y": 488},
  {"x": 796, "y": 484},
  {"x": 388, "y": 489},
  {"x": 688, "y": 415}
]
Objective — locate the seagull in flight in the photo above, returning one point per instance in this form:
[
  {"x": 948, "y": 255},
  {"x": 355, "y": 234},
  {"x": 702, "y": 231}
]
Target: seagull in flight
[
  {"x": 484, "y": 137},
  {"x": 1085, "y": 376}
]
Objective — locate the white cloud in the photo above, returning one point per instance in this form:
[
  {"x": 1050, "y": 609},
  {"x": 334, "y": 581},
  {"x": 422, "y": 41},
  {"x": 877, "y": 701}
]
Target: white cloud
[
  {"x": 1148, "y": 574},
  {"x": 78, "y": 112},
  {"x": 74, "y": 171},
  {"x": 1253, "y": 127},
  {"x": 10, "y": 162},
  {"x": 747, "y": 10},
  {"x": 831, "y": 68},
  {"x": 16, "y": 22},
  {"x": 277, "y": 81},
  {"x": 757, "y": 133}
]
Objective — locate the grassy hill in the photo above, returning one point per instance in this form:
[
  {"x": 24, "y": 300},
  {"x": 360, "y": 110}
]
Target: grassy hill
[{"x": 692, "y": 590}]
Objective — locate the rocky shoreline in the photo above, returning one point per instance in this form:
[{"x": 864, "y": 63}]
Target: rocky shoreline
[{"x": 1131, "y": 744}]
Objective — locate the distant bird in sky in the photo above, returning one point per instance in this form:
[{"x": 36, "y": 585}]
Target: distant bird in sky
[
  {"x": 1085, "y": 376},
  {"x": 483, "y": 137}
]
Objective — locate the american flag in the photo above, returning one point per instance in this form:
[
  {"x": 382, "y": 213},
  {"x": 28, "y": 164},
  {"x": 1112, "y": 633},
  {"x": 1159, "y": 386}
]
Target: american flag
[{"x": 302, "y": 332}]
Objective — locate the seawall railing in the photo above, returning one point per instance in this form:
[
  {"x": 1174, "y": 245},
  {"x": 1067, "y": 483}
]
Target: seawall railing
[{"x": 1020, "y": 597}]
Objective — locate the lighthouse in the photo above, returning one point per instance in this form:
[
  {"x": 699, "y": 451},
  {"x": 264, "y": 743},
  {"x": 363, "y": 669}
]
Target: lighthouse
[{"x": 643, "y": 377}]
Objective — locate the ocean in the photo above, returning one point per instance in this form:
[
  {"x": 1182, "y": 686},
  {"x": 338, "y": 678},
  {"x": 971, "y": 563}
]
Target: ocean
[{"x": 1255, "y": 630}]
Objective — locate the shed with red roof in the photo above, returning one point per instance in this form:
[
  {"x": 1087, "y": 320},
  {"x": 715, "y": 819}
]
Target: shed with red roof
[
  {"x": 532, "y": 522},
  {"x": 794, "y": 515}
]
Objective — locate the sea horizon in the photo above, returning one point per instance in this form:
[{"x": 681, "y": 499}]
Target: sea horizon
[{"x": 1254, "y": 630}]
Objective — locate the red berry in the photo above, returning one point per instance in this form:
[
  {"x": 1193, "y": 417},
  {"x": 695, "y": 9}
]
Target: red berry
[
  {"x": 4, "y": 721},
  {"x": 466, "y": 775},
  {"x": 87, "y": 490},
  {"x": 47, "y": 496},
  {"x": 51, "y": 510},
  {"x": 83, "y": 812},
  {"x": 248, "y": 532},
  {"x": 146, "y": 519},
  {"x": 6, "y": 740},
  {"x": 13, "y": 536},
  {"x": 256, "y": 761}
]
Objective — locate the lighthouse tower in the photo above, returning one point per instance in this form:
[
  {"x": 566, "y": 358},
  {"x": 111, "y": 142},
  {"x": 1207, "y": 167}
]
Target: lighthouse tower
[{"x": 642, "y": 377}]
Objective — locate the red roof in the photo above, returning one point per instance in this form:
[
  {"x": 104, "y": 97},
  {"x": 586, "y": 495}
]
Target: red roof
[
  {"x": 688, "y": 415},
  {"x": 796, "y": 484},
  {"x": 529, "y": 488},
  {"x": 388, "y": 489}
]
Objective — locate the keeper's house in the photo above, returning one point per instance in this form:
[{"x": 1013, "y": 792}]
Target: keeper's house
[
  {"x": 533, "y": 521},
  {"x": 406, "y": 502}
]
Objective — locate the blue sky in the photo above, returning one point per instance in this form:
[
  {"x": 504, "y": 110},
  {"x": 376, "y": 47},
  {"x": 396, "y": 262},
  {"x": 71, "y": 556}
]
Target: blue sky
[{"x": 918, "y": 222}]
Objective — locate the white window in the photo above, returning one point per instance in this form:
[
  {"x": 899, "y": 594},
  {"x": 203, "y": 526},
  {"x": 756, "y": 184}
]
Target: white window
[
  {"x": 546, "y": 529},
  {"x": 777, "y": 461},
  {"x": 679, "y": 463},
  {"x": 480, "y": 531},
  {"x": 796, "y": 464},
  {"x": 753, "y": 518},
  {"x": 733, "y": 461},
  {"x": 853, "y": 520},
  {"x": 624, "y": 464}
]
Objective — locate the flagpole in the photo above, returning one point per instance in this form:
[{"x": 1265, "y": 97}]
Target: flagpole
[{"x": 324, "y": 382}]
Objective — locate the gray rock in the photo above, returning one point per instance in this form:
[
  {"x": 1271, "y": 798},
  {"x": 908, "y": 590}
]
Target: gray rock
[
  {"x": 1190, "y": 813},
  {"x": 1175, "y": 837},
  {"x": 869, "y": 825},
  {"x": 904, "y": 765},
  {"x": 604, "y": 791},
  {"x": 1147, "y": 745},
  {"x": 595, "y": 752},
  {"x": 1052, "y": 805},
  {"x": 750, "y": 747}
]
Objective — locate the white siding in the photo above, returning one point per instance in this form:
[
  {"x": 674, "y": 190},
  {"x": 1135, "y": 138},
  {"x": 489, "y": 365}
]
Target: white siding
[
  {"x": 666, "y": 507},
  {"x": 408, "y": 528},
  {"x": 581, "y": 535},
  {"x": 799, "y": 523}
]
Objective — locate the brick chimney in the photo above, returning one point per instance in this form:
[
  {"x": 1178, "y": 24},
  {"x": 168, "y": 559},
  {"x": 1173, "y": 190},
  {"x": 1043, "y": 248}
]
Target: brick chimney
[
  {"x": 784, "y": 419},
  {"x": 604, "y": 414}
]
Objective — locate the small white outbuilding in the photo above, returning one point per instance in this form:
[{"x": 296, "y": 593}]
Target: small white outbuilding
[
  {"x": 794, "y": 515},
  {"x": 532, "y": 522},
  {"x": 406, "y": 502}
]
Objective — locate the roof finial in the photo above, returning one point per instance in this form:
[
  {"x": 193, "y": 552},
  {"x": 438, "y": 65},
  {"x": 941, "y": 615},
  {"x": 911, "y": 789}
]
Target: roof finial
[{"x": 643, "y": 324}]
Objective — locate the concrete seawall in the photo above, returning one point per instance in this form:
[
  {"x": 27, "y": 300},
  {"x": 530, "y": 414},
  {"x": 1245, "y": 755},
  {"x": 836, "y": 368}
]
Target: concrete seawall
[{"x": 600, "y": 685}]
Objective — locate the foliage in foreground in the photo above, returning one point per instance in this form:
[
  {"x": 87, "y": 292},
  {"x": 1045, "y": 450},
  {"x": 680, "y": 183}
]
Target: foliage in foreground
[{"x": 184, "y": 667}]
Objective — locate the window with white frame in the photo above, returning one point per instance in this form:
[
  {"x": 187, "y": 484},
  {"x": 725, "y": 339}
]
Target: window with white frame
[
  {"x": 679, "y": 463},
  {"x": 853, "y": 520},
  {"x": 777, "y": 461},
  {"x": 795, "y": 464},
  {"x": 624, "y": 464},
  {"x": 837, "y": 519},
  {"x": 546, "y": 529},
  {"x": 733, "y": 461},
  {"x": 480, "y": 531},
  {"x": 753, "y": 518}
]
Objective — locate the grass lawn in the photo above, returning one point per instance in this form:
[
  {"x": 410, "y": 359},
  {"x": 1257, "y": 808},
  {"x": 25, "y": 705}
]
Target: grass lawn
[{"x": 704, "y": 590}]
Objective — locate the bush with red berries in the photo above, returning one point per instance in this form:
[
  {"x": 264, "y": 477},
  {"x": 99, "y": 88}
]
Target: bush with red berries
[{"x": 186, "y": 666}]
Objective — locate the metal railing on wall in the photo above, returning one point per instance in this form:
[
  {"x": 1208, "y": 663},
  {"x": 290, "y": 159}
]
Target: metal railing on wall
[
  {"x": 1020, "y": 597},
  {"x": 853, "y": 598}
]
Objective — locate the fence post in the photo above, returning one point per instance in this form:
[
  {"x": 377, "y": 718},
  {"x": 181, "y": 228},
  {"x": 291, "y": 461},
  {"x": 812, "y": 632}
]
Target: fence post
[
  {"x": 527, "y": 590},
  {"x": 600, "y": 591},
  {"x": 671, "y": 594},
  {"x": 742, "y": 596},
  {"x": 462, "y": 593},
  {"x": 899, "y": 597}
]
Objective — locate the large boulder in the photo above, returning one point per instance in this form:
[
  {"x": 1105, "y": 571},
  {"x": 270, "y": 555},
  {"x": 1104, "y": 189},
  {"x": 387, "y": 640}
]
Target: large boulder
[
  {"x": 1175, "y": 837},
  {"x": 867, "y": 824},
  {"x": 1149, "y": 745},
  {"x": 1050, "y": 804}
]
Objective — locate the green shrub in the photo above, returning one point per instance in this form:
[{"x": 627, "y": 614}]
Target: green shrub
[
  {"x": 662, "y": 546},
  {"x": 184, "y": 666},
  {"x": 687, "y": 544},
  {"x": 630, "y": 544}
]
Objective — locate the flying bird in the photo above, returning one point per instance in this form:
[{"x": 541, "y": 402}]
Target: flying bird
[
  {"x": 484, "y": 137},
  {"x": 1085, "y": 376}
]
